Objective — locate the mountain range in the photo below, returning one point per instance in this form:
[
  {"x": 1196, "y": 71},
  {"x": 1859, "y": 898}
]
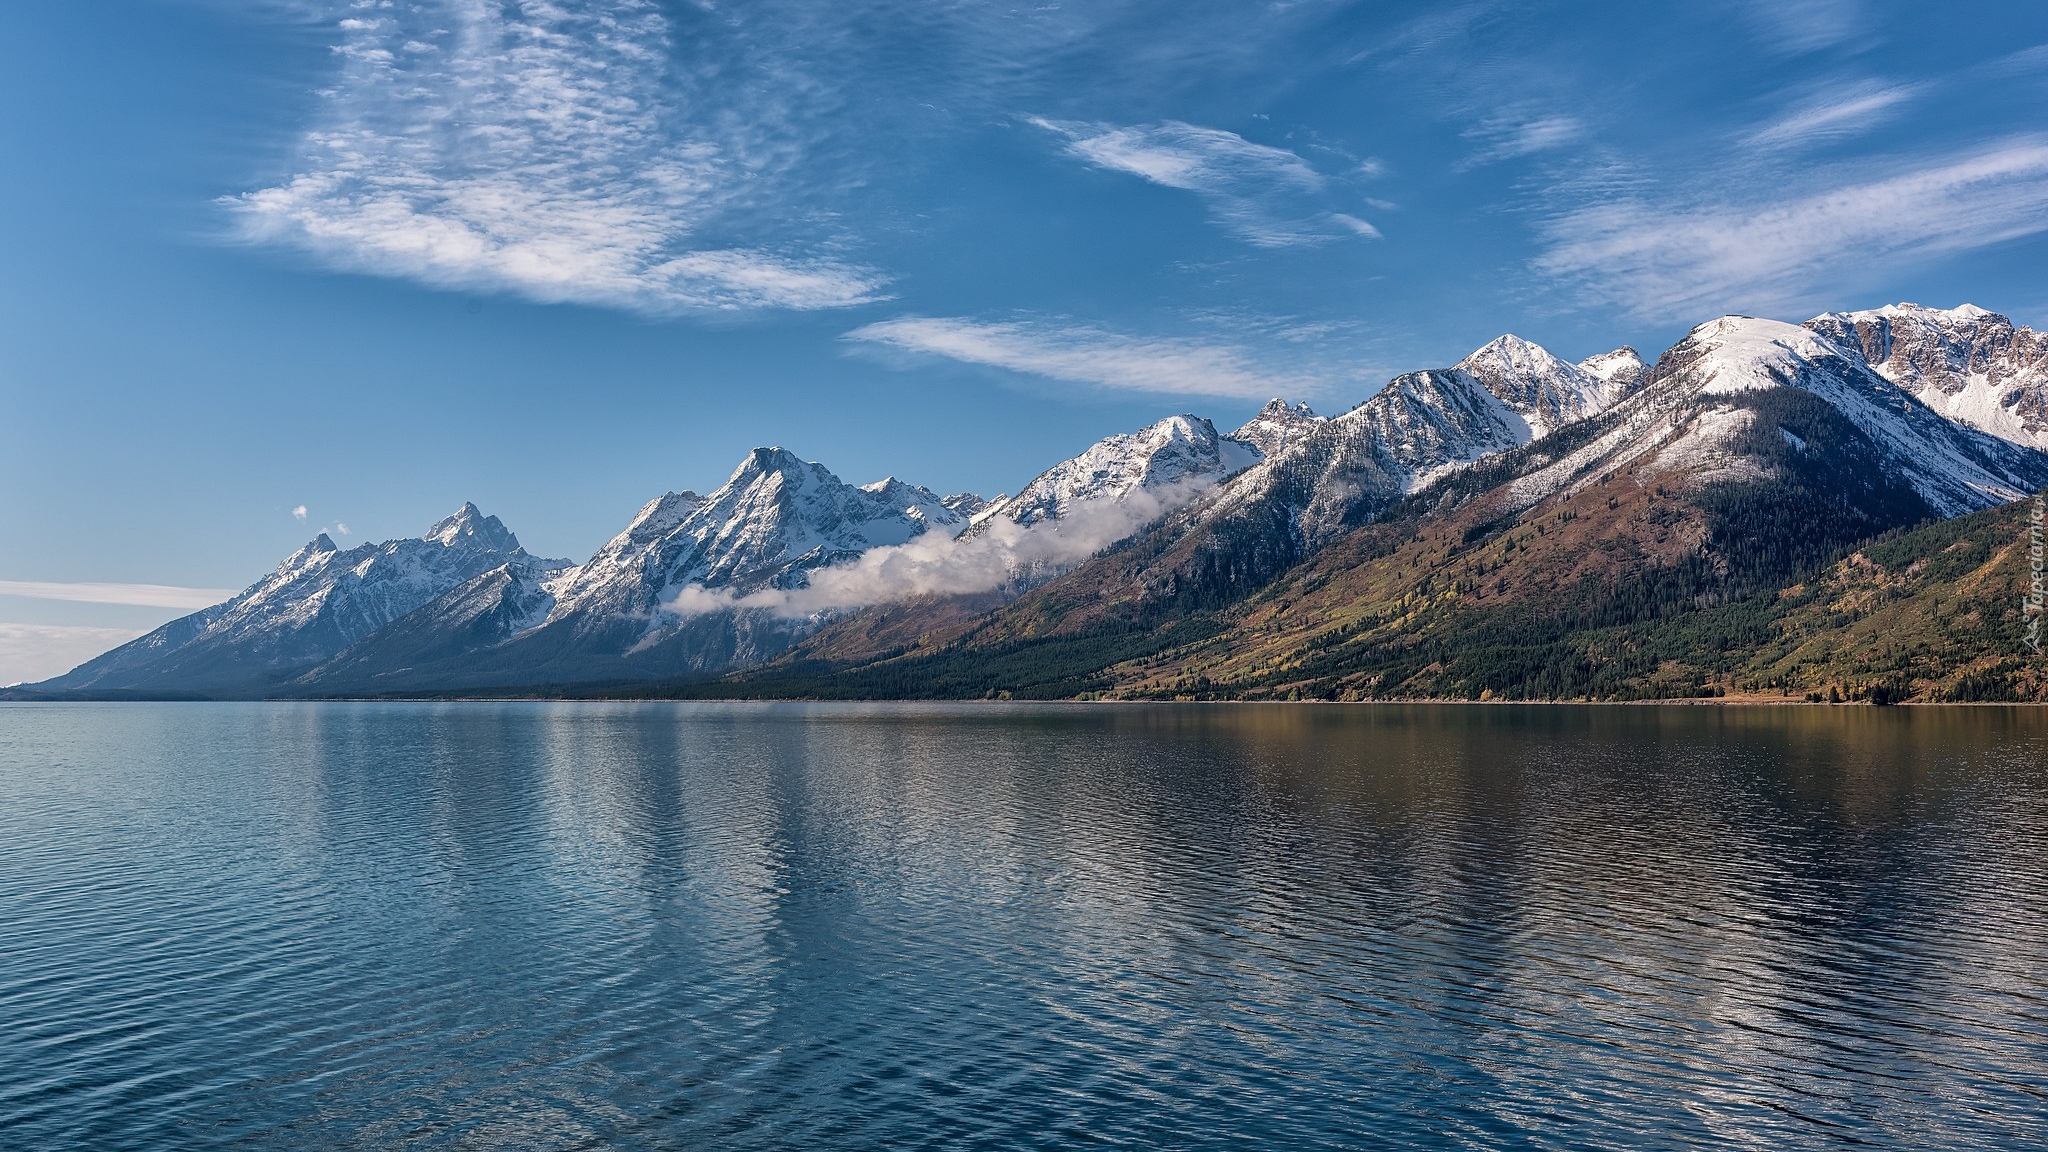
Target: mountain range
[{"x": 1513, "y": 526}]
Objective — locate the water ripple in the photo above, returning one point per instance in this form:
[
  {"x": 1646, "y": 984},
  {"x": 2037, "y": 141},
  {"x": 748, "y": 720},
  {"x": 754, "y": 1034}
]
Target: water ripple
[{"x": 778, "y": 926}]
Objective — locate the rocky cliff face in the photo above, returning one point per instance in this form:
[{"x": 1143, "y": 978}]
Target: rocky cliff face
[{"x": 1972, "y": 366}]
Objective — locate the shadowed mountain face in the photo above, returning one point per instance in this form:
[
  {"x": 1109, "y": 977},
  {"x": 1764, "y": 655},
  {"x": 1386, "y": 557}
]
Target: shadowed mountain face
[{"x": 1516, "y": 525}]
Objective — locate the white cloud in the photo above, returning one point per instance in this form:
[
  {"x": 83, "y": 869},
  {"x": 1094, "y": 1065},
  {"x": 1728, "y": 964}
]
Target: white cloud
[
  {"x": 999, "y": 553},
  {"x": 1086, "y": 355},
  {"x": 2020, "y": 63},
  {"x": 342, "y": 528},
  {"x": 33, "y": 652},
  {"x": 1834, "y": 116},
  {"x": 1356, "y": 225},
  {"x": 1267, "y": 196},
  {"x": 538, "y": 148},
  {"x": 1683, "y": 259},
  {"x": 299, "y": 513},
  {"x": 1514, "y": 133},
  {"x": 144, "y": 595}
]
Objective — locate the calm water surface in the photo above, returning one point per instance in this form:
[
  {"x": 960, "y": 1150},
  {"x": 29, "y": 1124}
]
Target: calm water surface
[{"x": 392, "y": 926}]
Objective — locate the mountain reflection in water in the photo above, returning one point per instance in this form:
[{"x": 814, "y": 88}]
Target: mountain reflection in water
[{"x": 781, "y": 926}]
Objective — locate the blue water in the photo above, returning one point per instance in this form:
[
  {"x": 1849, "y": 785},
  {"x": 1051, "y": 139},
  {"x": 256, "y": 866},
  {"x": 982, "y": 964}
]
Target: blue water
[{"x": 390, "y": 926}]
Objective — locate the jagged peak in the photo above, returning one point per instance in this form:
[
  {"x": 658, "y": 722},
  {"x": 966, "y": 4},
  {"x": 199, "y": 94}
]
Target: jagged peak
[
  {"x": 1510, "y": 349},
  {"x": 318, "y": 549},
  {"x": 1278, "y": 408},
  {"x": 772, "y": 461},
  {"x": 1185, "y": 426},
  {"x": 966, "y": 503},
  {"x": 1277, "y": 426},
  {"x": 469, "y": 525},
  {"x": 891, "y": 488}
]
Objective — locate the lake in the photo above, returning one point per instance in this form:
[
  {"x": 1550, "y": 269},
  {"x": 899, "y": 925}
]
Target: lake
[{"x": 535, "y": 925}]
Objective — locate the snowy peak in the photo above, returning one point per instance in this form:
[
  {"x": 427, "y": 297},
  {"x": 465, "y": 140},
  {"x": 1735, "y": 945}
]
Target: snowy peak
[
  {"x": 1170, "y": 460},
  {"x": 1969, "y": 364},
  {"x": 315, "y": 550},
  {"x": 1346, "y": 470},
  {"x": 1620, "y": 373},
  {"x": 469, "y": 527},
  {"x": 919, "y": 503},
  {"x": 1277, "y": 425},
  {"x": 1425, "y": 422},
  {"x": 1741, "y": 353},
  {"x": 661, "y": 514},
  {"x": 1696, "y": 404},
  {"x": 1541, "y": 388},
  {"x": 964, "y": 504},
  {"x": 777, "y": 518}
]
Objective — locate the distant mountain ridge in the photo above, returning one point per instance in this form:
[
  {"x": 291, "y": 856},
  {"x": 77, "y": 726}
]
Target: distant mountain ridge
[
  {"x": 1855, "y": 424},
  {"x": 317, "y": 603}
]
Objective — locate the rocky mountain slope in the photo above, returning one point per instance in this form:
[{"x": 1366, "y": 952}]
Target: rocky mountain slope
[{"x": 1972, "y": 366}]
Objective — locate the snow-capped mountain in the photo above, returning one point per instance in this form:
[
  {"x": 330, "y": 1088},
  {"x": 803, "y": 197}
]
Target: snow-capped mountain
[
  {"x": 1893, "y": 415},
  {"x": 318, "y": 602},
  {"x": 1971, "y": 365},
  {"x": 1620, "y": 373},
  {"x": 1544, "y": 390},
  {"x": 774, "y": 521},
  {"x": 1277, "y": 425},
  {"x": 965, "y": 504},
  {"x": 1345, "y": 471},
  {"x": 1696, "y": 421},
  {"x": 1169, "y": 461},
  {"x": 1421, "y": 425}
]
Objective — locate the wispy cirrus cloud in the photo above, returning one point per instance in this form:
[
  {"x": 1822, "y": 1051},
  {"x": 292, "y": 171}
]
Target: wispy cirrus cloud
[
  {"x": 1683, "y": 257},
  {"x": 541, "y": 147},
  {"x": 1269, "y": 197},
  {"x": 1090, "y": 355},
  {"x": 1847, "y": 111},
  {"x": 1512, "y": 133},
  {"x": 142, "y": 595}
]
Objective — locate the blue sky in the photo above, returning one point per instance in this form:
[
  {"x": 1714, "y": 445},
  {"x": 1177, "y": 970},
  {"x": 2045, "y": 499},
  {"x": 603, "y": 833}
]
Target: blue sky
[{"x": 373, "y": 259}]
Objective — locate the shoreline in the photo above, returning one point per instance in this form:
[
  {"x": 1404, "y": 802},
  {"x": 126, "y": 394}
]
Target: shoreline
[{"x": 1669, "y": 702}]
